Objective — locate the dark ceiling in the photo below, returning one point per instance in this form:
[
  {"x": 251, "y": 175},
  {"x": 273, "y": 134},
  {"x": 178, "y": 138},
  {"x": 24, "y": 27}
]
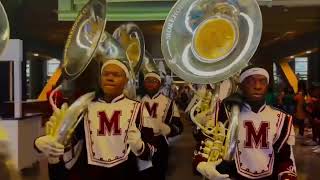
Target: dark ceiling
[{"x": 36, "y": 22}]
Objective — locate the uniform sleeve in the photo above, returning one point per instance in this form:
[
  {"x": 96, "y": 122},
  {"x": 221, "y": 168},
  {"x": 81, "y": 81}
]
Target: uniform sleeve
[
  {"x": 148, "y": 149},
  {"x": 285, "y": 167},
  {"x": 173, "y": 120},
  {"x": 285, "y": 164},
  {"x": 286, "y": 134}
]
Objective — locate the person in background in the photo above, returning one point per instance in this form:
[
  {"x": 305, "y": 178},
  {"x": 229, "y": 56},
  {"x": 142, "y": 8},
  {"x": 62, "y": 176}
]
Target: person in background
[
  {"x": 300, "y": 113},
  {"x": 271, "y": 98},
  {"x": 160, "y": 120},
  {"x": 288, "y": 101},
  {"x": 313, "y": 108},
  {"x": 280, "y": 97}
]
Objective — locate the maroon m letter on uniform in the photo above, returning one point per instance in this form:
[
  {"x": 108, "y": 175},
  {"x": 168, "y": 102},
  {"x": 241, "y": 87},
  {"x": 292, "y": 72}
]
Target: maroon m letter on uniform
[
  {"x": 109, "y": 125},
  {"x": 152, "y": 110},
  {"x": 259, "y": 137}
]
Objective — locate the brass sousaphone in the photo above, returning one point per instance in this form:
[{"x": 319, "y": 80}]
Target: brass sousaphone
[
  {"x": 87, "y": 42},
  {"x": 131, "y": 39},
  {"x": 149, "y": 65},
  {"x": 209, "y": 41}
]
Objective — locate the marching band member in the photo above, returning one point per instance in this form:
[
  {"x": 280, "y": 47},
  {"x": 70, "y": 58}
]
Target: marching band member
[
  {"x": 160, "y": 119},
  {"x": 265, "y": 135},
  {"x": 106, "y": 142}
]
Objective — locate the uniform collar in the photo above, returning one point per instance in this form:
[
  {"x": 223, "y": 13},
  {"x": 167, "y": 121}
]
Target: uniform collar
[
  {"x": 116, "y": 99},
  {"x": 154, "y": 96},
  {"x": 248, "y": 107}
]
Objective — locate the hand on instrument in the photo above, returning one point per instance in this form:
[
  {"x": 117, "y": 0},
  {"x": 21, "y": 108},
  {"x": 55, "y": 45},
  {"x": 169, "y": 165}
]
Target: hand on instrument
[
  {"x": 208, "y": 169},
  {"x": 164, "y": 129},
  {"x": 134, "y": 140},
  {"x": 160, "y": 128},
  {"x": 50, "y": 147}
]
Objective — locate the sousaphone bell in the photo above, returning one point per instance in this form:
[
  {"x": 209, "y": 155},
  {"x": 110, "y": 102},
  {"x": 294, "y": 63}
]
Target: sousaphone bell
[
  {"x": 209, "y": 41},
  {"x": 131, "y": 39},
  {"x": 148, "y": 64}
]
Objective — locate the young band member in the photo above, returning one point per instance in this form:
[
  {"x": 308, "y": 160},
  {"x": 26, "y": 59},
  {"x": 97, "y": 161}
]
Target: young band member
[
  {"x": 265, "y": 135},
  {"x": 160, "y": 119},
  {"x": 105, "y": 144}
]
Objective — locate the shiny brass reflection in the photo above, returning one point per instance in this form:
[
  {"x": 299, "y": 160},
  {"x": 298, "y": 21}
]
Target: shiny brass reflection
[{"x": 214, "y": 39}]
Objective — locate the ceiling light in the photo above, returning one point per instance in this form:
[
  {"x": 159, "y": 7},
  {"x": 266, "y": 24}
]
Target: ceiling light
[
  {"x": 35, "y": 54},
  {"x": 291, "y": 57},
  {"x": 308, "y": 52}
]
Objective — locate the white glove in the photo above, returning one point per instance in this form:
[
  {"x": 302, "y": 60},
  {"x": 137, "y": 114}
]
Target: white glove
[
  {"x": 50, "y": 147},
  {"x": 208, "y": 169},
  {"x": 160, "y": 128},
  {"x": 164, "y": 129},
  {"x": 134, "y": 140}
]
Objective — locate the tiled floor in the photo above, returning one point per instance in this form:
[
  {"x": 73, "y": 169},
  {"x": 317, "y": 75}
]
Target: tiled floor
[
  {"x": 180, "y": 167},
  {"x": 308, "y": 163}
]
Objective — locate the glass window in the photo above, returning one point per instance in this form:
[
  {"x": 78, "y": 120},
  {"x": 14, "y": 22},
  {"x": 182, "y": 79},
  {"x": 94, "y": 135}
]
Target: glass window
[
  {"x": 276, "y": 74},
  {"x": 301, "y": 68},
  {"x": 38, "y": 72},
  {"x": 52, "y": 66}
]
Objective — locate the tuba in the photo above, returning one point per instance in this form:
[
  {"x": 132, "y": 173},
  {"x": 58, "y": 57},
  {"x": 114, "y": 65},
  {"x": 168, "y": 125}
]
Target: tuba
[
  {"x": 209, "y": 42},
  {"x": 131, "y": 39},
  {"x": 87, "y": 47},
  {"x": 149, "y": 65}
]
